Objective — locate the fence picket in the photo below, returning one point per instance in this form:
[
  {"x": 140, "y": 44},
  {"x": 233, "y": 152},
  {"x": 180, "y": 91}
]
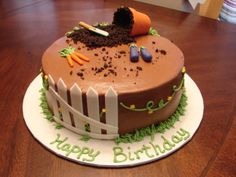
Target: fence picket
[
  {"x": 77, "y": 103},
  {"x": 111, "y": 103},
  {"x": 53, "y": 99},
  {"x": 62, "y": 91},
  {"x": 93, "y": 108}
]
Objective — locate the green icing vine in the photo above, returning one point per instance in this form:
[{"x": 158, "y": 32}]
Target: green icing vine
[
  {"x": 139, "y": 134},
  {"x": 150, "y": 105},
  {"x": 45, "y": 108},
  {"x": 152, "y": 31}
]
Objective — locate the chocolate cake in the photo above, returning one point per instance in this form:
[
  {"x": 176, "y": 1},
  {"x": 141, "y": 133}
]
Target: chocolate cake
[{"x": 119, "y": 83}]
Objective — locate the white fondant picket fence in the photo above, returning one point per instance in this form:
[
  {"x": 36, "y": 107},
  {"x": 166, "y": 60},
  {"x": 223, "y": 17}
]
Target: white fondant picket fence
[{"x": 71, "y": 115}]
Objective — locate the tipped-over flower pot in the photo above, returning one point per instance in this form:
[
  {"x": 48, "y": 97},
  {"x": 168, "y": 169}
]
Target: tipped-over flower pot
[{"x": 138, "y": 23}]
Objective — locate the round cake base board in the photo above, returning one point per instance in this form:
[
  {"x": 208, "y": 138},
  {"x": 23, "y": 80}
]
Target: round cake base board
[{"x": 106, "y": 153}]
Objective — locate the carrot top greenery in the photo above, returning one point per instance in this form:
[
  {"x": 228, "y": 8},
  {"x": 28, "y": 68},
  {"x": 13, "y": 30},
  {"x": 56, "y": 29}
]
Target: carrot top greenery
[{"x": 71, "y": 55}]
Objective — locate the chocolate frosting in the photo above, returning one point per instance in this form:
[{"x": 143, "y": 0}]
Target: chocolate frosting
[{"x": 166, "y": 65}]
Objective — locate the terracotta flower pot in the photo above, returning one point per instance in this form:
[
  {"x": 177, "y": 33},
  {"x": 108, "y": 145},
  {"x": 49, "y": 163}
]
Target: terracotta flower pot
[{"x": 138, "y": 23}]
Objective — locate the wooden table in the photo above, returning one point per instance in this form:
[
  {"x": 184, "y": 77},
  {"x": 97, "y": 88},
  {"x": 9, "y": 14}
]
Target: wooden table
[{"x": 28, "y": 27}]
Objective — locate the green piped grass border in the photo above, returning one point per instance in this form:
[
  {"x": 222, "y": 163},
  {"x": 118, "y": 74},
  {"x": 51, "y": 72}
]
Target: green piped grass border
[
  {"x": 162, "y": 127},
  {"x": 45, "y": 108}
]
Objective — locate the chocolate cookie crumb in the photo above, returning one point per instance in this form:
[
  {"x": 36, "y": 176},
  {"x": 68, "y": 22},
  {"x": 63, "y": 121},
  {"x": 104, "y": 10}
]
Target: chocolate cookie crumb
[
  {"x": 117, "y": 36},
  {"x": 163, "y": 52},
  {"x": 67, "y": 41},
  {"x": 139, "y": 68},
  {"x": 122, "y": 52},
  {"x": 80, "y": 74},
  {"x": 105, "y": 65}
]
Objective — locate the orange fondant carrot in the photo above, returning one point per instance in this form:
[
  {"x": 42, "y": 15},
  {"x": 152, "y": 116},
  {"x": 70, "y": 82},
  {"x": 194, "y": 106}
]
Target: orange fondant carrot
[
  {"x": 81, "y": 56},
  {"x": 70, "y": 54},
  {"x": 69, "y": 60},
  {"x": 76, "y": 59}
]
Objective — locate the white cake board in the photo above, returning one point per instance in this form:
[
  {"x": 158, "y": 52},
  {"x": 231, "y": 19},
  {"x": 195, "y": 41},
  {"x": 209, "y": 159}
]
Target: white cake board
[{"x": 46, "y": 133}]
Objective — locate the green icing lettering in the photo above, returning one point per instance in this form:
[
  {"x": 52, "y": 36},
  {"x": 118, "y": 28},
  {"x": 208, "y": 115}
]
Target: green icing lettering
[
  {"x": 176, "y": 139},
  {"x": 145, "y": 149},
  {"x": 58, "y": 141},
  {"x": 119, "y": 156},
  {"x": 86, "y": 153},
  {"x": 66, "y": 147},
  {"x": 129, "y": 155},
  {"x": 75, "y": 149},
  {"x": 83, "y": 151},
  {"x": 157, "y": 149},
  {"x": 184, "y": 133},
  {"x": 167, "y": 145},
  {"x": 150, "y": 150},
  {"x": 154, "y": 148},
  {"x": 92, "y": 155},
  {"x": 140, "y": 151}
]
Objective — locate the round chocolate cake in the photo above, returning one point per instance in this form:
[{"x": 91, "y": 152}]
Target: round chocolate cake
[{"x": 104, "y": 86}]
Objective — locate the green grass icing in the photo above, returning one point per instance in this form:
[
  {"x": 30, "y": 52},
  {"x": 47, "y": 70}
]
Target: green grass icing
[{"x": 46, "y": 110}]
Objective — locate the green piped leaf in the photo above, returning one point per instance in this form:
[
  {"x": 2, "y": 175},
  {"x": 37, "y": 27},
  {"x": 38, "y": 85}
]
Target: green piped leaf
[
  {"x": 58, "y": 125},
  {"x": 161, "y": 103},
  {"x": 152, "y": 31},
  {"x": 85, "y": 138}
]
